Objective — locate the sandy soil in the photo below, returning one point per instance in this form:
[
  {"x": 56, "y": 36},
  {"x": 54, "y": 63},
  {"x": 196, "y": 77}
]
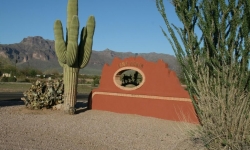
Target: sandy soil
[{"x": 25, "y": 129}]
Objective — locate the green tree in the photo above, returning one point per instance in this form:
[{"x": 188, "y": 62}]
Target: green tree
[
  {"x": 215, "y": 66},
  {"x": 9, "y": 68},
  {"x": 32, "y": 73},
  {"x": 1, "y": 68},
  {"x": 24, "y": 72},
  {"x": 6, "y": 66},
  {"x": 96, "y": 80}
]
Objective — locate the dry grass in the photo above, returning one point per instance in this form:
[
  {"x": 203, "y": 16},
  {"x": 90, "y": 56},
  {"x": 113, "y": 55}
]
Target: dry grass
[
  {"x": 85, "y": 88},
  {"x": 14, "y": 87},
  {"x": 224, "y": 110}
]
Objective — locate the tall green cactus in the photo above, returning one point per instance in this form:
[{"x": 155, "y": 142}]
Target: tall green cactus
[{"x": 72, "y": 56}]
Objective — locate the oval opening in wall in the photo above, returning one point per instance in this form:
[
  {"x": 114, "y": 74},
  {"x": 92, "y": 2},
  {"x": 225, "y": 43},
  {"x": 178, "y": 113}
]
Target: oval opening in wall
[{"x": 129, "y": 78}]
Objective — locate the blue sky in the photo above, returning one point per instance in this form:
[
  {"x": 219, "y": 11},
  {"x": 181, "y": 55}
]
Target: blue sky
[{"x": 121, "y": 25}]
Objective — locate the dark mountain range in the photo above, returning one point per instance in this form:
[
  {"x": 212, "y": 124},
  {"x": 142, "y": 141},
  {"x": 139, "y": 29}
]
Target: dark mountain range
[{"x": 36, "y": 52}]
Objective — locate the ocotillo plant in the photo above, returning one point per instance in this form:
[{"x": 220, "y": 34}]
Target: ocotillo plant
[
  {"x": 72, "y": 56},
  {"x": 213, "y": 50}
]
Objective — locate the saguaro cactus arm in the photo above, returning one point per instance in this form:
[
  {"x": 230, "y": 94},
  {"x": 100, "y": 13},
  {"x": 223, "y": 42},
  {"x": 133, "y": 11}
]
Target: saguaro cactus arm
[
  {"x": 72, "y": 10},
  {"x": 86, "y": 42},
  {"x": 60, "y": 45},
  {"x": 72, "y": 46}
]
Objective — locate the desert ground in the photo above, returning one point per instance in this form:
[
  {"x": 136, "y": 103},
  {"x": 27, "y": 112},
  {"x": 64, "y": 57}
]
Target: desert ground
[{"x": 45, "y": 129}]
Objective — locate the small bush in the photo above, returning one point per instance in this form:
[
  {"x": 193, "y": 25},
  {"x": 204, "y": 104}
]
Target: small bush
[
  {"x": 11, "y": 79},
  {"x": 4, "y": 79},
  {"x": 95, "y": 81},
  {"x": 26, "y": 80}
]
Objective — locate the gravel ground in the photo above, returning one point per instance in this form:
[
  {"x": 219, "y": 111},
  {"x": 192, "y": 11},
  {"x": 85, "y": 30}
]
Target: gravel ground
[{"x": 25, "y": 129}]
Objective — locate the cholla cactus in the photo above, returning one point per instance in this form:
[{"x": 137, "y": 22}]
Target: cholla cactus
[
  {"x": 72, "y": 56},
  {"x": 44, "y": 94}
]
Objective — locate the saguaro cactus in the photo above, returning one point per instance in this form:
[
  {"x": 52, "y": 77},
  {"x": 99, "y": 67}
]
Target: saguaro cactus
[{"x": 72, "y": 56}]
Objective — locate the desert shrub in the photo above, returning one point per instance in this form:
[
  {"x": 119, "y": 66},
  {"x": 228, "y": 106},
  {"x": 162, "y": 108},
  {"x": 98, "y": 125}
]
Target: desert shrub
[
  {"x": 44, "y": 94},
  {"x": 26, "y": 80},
  {"x": 4, "y": 79},
  {"x": 95, "y": 81},
  {"x": 11, "y": 79},
  {"x": 214, "y": 55},
  {"x": 32, "y": 73}
]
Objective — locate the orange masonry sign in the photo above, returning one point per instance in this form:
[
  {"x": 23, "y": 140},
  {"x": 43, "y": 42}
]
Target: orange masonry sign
[{"x": 137, "y": 86}]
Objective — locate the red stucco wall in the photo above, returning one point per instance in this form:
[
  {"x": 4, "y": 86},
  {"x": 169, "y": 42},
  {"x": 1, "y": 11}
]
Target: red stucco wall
[{"x": 160, "y": 96}]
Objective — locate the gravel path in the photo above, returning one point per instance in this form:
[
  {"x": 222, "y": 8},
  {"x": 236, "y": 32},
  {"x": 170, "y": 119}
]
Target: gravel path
[{"x": 25, "y": 129}]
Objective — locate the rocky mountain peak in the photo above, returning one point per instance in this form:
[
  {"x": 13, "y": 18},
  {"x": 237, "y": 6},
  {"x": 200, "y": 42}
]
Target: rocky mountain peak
[
  {"x": 109, "y": 52},
  {"x": 38, "y": 42}
]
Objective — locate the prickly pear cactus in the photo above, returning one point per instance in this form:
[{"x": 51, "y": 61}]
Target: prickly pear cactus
[
  {"x": 71, "y": 55},
  {"x": 44, "y": 94}
]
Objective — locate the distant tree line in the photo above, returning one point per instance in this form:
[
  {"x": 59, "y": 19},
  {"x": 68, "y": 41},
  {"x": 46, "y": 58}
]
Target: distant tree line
[
  {"x": 9, "y": 72},
  {"x": 29, "y": 74}
]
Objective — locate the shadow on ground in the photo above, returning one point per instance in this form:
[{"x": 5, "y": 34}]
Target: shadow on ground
[
  {"x": 81, "y": 106},
  {"x": 11, "y": 102}
]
